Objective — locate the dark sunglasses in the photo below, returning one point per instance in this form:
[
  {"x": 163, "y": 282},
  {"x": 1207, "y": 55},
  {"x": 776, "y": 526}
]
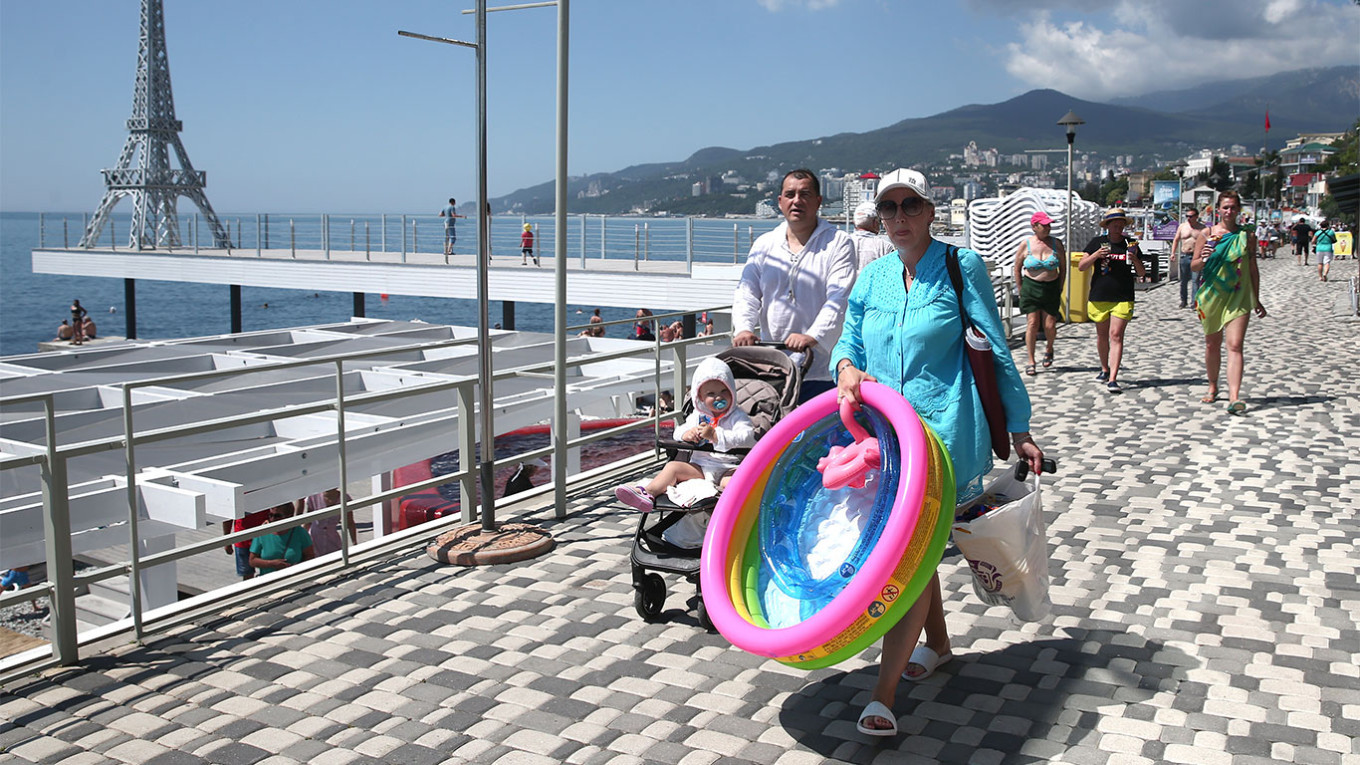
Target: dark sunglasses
[{"x": 912, "y": 206}]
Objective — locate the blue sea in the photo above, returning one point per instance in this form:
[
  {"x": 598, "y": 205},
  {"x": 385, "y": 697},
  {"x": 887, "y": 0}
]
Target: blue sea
[{"x": 32, "y": 306}]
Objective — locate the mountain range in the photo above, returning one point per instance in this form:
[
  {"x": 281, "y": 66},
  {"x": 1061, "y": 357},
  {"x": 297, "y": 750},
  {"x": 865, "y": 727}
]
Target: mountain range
[{"x": 1155, "y": 127}]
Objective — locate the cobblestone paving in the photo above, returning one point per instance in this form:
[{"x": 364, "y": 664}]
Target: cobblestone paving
[{"x": 1205, "y": 593}]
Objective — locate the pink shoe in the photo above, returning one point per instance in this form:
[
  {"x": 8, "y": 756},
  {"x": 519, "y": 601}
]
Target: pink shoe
[{"x": 635, "y": 497}]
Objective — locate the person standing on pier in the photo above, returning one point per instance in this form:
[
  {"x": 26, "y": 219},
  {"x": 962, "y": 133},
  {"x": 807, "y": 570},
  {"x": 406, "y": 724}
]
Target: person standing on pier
[
  {"x": 78, "y": 314},
  {"x": 869, "y": 246},
  {"x": 450, "y": 214},
  {"x": 796, "y": 282},
  {"x": 526, "y": 246}
]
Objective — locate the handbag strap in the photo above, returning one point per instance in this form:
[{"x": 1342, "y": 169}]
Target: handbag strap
[{"x": 951, "y": 264}]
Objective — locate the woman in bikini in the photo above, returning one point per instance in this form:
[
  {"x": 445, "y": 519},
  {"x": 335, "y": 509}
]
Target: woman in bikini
[{"x": 1040, "y": 270}]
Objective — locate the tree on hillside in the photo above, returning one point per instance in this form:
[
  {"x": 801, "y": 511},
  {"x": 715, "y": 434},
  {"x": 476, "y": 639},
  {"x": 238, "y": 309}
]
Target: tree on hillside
[
  {"x": 1219, "y": 176},
  {"x": 1344, "y": 162}
]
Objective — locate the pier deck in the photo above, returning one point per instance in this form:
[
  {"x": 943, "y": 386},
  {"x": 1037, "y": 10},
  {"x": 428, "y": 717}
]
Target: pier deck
[
  {"x": 671, "y": 284},
  {"x": 1204, "y": 584}
]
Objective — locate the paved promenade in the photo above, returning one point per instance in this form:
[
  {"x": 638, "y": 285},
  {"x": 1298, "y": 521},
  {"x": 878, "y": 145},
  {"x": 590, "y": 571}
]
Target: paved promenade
[{"x": 1205, "y": 591}]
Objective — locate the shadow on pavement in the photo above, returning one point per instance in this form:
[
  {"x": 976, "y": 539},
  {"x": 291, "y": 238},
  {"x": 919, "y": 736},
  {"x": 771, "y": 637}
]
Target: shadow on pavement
[{"x": 1047, "y": 690}]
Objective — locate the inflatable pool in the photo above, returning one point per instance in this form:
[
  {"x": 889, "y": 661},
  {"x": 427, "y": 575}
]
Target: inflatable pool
[{"x": 809, "y": 566}]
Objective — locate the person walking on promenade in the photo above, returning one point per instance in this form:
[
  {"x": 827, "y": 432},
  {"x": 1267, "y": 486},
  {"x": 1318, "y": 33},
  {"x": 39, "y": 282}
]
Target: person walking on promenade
[
  {"x": 1303, "y": 236},
  {"x": 1226, "y": 256},
  {"x": 869, "y": 246},
  {"x": 450, "y": 216},
  {"x": 1115, "y": 258},
  {"x": 526, "y": 246},
  {"x": 1183, "y": 244},
  {"x": 796, "y": 280},
  {"x": 1322, "y": 243},
  {"x": 78, "y": 314},
  {"x": 902, "y": 329},
  {"x": 1040, "y": 270}
]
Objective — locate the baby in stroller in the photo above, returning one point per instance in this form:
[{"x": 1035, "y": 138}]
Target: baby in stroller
[{"x": 716, "y": 421}]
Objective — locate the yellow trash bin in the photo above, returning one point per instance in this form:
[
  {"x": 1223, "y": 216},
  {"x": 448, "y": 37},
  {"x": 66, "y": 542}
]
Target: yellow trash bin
[{"x": 1078, "y": 286}]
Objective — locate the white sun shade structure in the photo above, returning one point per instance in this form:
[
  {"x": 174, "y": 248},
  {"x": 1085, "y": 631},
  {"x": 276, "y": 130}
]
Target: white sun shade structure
[{"x": 286, "y": 445}]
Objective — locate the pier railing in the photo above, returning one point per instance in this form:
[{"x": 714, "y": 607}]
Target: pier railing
[
  {"x": 589, "y": 238},
  {"x": 63, "y": 582}
]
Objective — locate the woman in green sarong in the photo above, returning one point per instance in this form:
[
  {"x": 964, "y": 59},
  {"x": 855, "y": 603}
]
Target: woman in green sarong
[{"x": 1226, "y": 257}]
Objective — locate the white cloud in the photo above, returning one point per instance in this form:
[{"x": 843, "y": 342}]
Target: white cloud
[
  {"x": 1170, "y": 44},
  {"x": 775, "y": 6}
]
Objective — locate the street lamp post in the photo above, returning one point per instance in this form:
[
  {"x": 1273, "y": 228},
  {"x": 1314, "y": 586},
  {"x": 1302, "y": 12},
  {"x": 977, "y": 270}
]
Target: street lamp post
[
  {"x": 1070, "y": 121},
  {"x": 1179, "y": 167}
]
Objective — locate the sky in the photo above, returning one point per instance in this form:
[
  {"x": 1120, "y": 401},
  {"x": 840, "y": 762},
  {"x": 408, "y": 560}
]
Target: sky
[{"x": 310, "y": 106}]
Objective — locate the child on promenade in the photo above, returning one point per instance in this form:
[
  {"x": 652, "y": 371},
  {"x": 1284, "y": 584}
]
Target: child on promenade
[{"x": 716, "y": 420}]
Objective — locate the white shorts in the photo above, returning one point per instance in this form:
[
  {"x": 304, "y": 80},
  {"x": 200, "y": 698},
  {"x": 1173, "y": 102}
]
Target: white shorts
[{"x": 1324, "y": 257}]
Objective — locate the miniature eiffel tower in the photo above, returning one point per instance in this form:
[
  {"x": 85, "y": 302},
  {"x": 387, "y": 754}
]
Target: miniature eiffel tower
[{"x": 144, "y": 172}]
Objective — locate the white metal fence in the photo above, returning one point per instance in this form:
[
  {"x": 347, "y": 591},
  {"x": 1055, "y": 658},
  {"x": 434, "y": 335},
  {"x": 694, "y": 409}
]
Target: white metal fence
[{"x": 64, "y": 582}]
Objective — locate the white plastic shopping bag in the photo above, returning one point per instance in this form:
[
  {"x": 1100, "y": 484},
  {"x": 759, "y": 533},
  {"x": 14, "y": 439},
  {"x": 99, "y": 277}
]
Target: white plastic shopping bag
[{"x": 1006, "y": 547}]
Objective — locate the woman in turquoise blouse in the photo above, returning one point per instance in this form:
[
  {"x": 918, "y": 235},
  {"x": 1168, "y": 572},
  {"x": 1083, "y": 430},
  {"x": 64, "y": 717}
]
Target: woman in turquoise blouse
[{"x": 902, "y": 329}]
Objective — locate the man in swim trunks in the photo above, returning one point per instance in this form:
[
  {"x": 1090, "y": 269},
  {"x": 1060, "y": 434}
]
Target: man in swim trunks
[{"x": 1183, "y": 244}]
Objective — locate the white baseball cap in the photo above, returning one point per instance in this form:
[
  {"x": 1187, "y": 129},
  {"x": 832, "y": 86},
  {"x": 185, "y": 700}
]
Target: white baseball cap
[
  {"x": 865, "y": 211},
  {"x": 904, "y": 179}
]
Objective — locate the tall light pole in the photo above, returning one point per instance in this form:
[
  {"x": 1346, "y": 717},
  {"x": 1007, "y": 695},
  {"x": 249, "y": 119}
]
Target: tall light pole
[
  {"x": 1070, "y": 121},
  {"x": 468, "y": 551}
]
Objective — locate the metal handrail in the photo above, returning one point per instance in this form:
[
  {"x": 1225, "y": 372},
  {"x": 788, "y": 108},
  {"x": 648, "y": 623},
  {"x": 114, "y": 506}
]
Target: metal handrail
[{"x": 62, "y": 579}]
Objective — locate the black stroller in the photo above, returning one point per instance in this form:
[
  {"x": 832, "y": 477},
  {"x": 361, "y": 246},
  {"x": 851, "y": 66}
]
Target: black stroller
[{"x": 767, "y": 389}]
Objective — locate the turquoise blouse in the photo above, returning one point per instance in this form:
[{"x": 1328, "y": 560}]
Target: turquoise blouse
[{"x": 913, "y": 342}]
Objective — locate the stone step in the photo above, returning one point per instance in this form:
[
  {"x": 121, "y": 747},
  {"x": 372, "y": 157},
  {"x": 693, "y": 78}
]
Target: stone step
[{"x": 98, "y": 610}]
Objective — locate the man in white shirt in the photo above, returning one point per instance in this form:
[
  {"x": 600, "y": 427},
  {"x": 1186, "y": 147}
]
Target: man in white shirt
[
  {"x": 797, "y": 279},
  {"x": 869, "y": 246}
]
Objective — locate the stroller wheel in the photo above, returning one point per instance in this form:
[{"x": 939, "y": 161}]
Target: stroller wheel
[
  {"x": 704, "y": 620},
  {"x": 650, "y": 596}
]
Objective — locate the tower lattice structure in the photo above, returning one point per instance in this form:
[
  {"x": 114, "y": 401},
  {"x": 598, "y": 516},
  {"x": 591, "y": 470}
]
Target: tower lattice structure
[{"x": 143, "y": 171}]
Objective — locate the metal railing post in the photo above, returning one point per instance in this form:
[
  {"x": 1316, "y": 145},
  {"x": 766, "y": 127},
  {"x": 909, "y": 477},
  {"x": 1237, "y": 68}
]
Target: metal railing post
[
  {"x": 384, "y": 232},
  {"x": 647, "y": 241},
  {"x": 415, "y": 236},
  {"x": 340, "y": 522},
  {"x": 368, "y": 244},
  {"x": 134, "y": 533},
  {"x": 583, "y": 240},
  {"x": 403, "y": 238},
  {"x": 266, "y": 231},
  {"x": 194, "y": 233},
  {"x": 467, "y": 452},
  {"x": 292, "y": 237},
  {"x": 750, "y": 237},
  {"x": 689, "y": 244},
  {"x": 736, "y": 242},
  {"x": 65, "y": 236},
  {"x": 57, "y": 538},
  {"x": 41, "y": 223},
  {"x": 351, "y": 235},
  {"x": 257, "y": 236},
  {"x": 604, "y": 226},
  {"x": 326, "y": 234},
  {"x": 113, "y": 238},
  {"x": 637, "y": 238}
]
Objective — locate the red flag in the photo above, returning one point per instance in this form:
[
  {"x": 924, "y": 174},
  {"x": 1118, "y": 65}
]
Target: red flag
[{"x": 1267, "y": 120}]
